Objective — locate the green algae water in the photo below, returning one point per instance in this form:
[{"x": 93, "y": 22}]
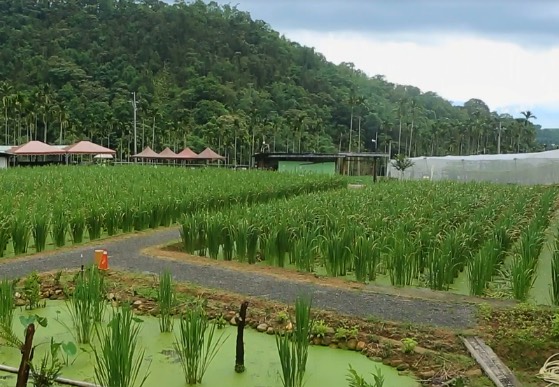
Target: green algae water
[{"x": 326, "y": 367}]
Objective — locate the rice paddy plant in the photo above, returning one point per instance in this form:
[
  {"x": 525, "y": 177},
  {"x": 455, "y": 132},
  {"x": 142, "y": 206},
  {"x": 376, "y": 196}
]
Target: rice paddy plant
[
  {"x": 228, "y": 247},
  {"x": 482, "y": 266},
  {"x": 94, "y": 223},
  {"x": 142, "y": 217},
  {"x": 128, "y": 215},
  {"x": 303, "y": 250},
  {"x": 20, "y": 233},
  {"x": 201, "y": 240},
  {"x": 7, "y": 304},
  {"x": 440, "y": 269},
  {"x": 197, "y": 344},
  {"x": 113, "y": 220},
  {"x": 59, "y": 227},
  {"x": 282, "y": 241},
  {"x": 166, "y": 299},
  {"x": 156, "y": 214},
  {"x": 524, "y": 263},
  {"x": 555, "y": 272},
  {"x": 86, "y": 303},
  {"x": 522, "y": 277},
  {"x": 293, "y": 346},
  {"x": 213, "y": 237},
  {"x": 167, "y": 210},
  {"x": 5, "y": 233},
  {"x": 77, "y": 226},
  {"x": 335, "y": 254},
  {"x": 401, "y": 259},
  {"x": 241, "y": 241},
  {"x": 364, "y": 258},
  {"x": 188, "y": 234},
  {"x": 118, "y": 359},
  {"x": 40, "y": 230},
  {"x": 252, "y": 243}
]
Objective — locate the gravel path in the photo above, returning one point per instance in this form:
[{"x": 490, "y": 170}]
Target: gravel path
[{"x": 125, "y": 254}]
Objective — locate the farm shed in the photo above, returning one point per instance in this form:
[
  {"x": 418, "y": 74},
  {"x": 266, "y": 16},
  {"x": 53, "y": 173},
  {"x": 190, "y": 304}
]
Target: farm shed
[
  {"x": 329, "y": 163},
  {"x": 519, "y": 168},
  {"x": 4, "y": 157}
]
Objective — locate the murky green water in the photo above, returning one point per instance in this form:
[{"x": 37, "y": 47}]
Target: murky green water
[{"x": 326, "y": 367}]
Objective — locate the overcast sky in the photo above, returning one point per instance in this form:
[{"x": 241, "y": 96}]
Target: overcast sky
[{"x": 505, "y": 52}]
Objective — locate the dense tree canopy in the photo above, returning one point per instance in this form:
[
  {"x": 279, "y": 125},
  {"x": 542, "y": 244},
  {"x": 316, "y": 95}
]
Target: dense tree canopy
[{"x": 209, "y": 75}]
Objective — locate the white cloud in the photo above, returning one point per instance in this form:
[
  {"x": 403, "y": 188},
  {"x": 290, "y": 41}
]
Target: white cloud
[{"x": 505, "y": 75}]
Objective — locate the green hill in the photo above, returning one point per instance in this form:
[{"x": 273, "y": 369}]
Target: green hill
[
  {"x": 548, "y": 137},
  {"x": 207, "y": 75}
]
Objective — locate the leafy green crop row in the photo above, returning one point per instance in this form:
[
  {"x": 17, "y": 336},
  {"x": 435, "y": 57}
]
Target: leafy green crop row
[
  {"x": 413, "y": 232},
  {"x": 62, "y": 204}
]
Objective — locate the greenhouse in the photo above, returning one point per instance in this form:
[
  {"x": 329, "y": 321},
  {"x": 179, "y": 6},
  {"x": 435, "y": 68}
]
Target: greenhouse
[{"x": 521, "y": 168}]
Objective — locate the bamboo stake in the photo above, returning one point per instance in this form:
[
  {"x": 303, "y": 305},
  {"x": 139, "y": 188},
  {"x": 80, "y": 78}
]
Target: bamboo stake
[{"x": 67, "y": 382}]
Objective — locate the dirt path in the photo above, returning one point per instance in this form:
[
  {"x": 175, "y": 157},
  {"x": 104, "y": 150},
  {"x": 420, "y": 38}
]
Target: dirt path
[{"x": 126, "y": 254}]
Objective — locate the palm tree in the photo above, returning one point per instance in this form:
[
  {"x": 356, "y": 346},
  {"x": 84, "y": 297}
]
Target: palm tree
[
  {"x": 413, "y": 108},
  {"x": 401, "y": 109},
  {"x": 7, "y": 100},
  {"x": 527, "y": 117},
  {"x": 46, "y": 109}
]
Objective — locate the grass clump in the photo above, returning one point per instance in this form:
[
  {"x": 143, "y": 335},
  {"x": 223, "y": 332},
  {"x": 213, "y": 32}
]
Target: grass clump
[
  {"x": 293, "y": 346},
  {"x": 197, "y": 344},
  {"x": 117, "y": 358},
  {"x": 166, "y": 299},
  {"x": 86, "y": 303},
  {"x": 6, "y": 303}
]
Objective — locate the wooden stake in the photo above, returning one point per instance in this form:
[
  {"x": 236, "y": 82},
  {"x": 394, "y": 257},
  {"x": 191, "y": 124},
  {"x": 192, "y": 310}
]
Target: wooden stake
[
  {"x": 26, "y": 357},
  {"x": 240, "y": 352}
]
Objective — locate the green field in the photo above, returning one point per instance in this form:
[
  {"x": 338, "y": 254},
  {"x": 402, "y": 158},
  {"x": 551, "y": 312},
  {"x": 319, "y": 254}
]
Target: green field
[
  {"x": 49, "y": 207},
  {"x": 477, "y": 239}
]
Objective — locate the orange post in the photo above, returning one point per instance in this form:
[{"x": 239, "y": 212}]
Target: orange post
[
  {"x": 98, "y": 256},
  {"x": 104, "y": 262}
]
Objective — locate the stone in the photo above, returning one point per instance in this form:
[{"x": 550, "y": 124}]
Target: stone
[
  {"x": 333, "y": 346},
  {"x": 233, "y": 321},
  {"x": 352, "y": 344},
  {"x": 360, "y": 346},
  {"x": 270, "y": 331},
  {"x": 137, "y": 303},
  {"x": 262, "y": 327},
  {"x": 326, "y": 340},
  {"x": 17, "y": 295},
  {"x": 317, "y": 340},
  {"x": 20, "y": 302},
  {"x": 395, "y": 362},
  {"x": 425, "y": 375},
  {"x": 473, "y": 373},
  {"x": 58, "y": 292},
  {"x": 402, "y": 367}
]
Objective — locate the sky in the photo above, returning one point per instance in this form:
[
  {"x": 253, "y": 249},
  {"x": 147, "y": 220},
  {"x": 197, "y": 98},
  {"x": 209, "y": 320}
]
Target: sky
[{"x": 504, "y": 52}]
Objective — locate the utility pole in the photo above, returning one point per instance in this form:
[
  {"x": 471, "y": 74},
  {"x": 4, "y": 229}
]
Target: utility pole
[
  {"x": 135, "y": 107},
  {"x": 499, "y": 140}
]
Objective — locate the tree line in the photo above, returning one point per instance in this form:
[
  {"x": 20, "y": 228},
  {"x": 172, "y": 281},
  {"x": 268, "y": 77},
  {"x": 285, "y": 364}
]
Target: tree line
[{"x": 210, "y": 75}]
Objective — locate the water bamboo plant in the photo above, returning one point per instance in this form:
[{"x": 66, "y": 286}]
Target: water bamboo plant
[
  {"x": 166, "y": 299},
  {"x": 293, "y": 346},
  {"x": 197, "y": 344},
  {"x": 119, "y": 362},
  {"x": 6, "y": 303},
  {"x": 86, "y": 303}
]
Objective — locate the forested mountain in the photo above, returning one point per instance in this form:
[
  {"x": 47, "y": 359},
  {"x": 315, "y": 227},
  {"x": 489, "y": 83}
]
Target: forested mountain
[
  {"x": 548, "y": 137},
  {"x": 209, "y": 75}
]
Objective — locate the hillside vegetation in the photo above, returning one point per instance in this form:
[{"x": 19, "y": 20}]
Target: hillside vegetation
[{"x": 209, "y": 75}]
